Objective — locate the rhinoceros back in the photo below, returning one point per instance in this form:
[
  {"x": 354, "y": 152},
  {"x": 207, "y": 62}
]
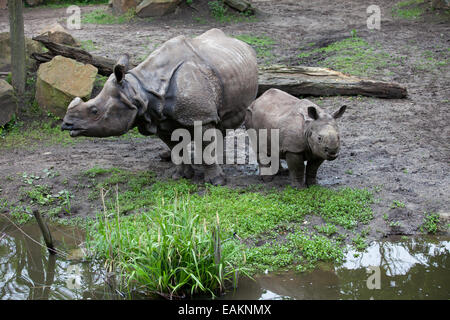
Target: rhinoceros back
[
  {"x": 235, "y": 64},
  {"x": 276, "y": 109},
  {"x": 210, "y": 78}
]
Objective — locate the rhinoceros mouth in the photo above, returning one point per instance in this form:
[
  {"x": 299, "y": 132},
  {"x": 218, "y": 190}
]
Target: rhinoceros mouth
[
  {"x": 76, "y": 132},
  {"x": 331, "y": 158}
]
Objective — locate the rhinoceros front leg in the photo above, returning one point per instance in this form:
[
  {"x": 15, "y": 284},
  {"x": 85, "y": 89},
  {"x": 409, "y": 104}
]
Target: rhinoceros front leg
[
  {"x": 296, "y": 168},
  {"x": 181, "y": 170},
  {"x": 311, "y": 171},
  {"x": 213, "y": 172}
]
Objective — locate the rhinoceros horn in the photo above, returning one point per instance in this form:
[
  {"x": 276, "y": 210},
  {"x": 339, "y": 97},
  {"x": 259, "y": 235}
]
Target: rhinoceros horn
[
  {"x": 121, "y": 67},
  {"x": 74, "y": 103}
]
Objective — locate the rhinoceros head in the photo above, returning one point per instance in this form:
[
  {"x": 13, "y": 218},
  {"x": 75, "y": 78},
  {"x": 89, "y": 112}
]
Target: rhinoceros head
[
  {"x": 109, "y": 114},
  {"x": 323, "y": 133}
]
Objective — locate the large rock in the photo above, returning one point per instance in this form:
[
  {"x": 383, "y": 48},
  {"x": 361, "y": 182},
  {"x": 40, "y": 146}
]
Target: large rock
[
  {"x": 8, "y": 102},
  {"x": 58, "y": 34},
  {"x": 122, "y": 6},
  {"x": 5, "y": 51},
  {"x": 60, "y": 81},
  {"x": 156, "y": 8}
]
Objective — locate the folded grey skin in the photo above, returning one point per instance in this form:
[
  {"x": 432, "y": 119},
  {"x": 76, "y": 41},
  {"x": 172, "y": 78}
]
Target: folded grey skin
[{"x": 212, "y": 78}]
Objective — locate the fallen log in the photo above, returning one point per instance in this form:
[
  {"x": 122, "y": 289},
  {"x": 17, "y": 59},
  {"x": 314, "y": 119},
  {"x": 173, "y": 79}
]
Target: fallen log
[
  {"x": 241, "y": 6},
  {"x": 312, "y": 81},
  {"x": 104, "y": 65},
  {"x": 298, "y": 80}
]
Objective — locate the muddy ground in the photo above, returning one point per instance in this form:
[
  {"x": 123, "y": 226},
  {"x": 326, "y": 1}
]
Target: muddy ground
[{"x": 399, "y": 148}]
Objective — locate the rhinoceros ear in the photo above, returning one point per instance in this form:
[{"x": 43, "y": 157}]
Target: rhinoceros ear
[
  {"x": 312, "y": 113},
  {"x": 340, "y": 112},
  {"x": 121, "y": 67}
]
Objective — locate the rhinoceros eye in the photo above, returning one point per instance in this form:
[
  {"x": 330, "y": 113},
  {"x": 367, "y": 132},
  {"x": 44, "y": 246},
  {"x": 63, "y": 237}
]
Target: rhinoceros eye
[
  {"x": 94, "y": 110},
  {"x": 320, "y": 138}
]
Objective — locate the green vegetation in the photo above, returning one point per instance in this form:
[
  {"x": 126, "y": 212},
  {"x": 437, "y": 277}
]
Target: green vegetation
[
  {"x": 397, "y": 204},
  {"x": 88, "y": 45},
  {"x": 354, "y": 56},
  {"x": 430, "y": 223},
  {"x": 46, "y": 131},
  {"x": 164, "y": 235},
  {"x": 220, "y": 12},
  {"x": 39, "y": 131},
  {"x": 408, "y": 9},
  {"x": 256, "y": 218},
  {"x": 9, "y": 78},
  {"x": 100, "y": 81},
  {"x": 327, "y": 229},
  {"x": 432, "y": 61},
  {"x": 167, "y": 250},
  {"x": 263, "y": 45},
  {"x": 100, "y": 16}
]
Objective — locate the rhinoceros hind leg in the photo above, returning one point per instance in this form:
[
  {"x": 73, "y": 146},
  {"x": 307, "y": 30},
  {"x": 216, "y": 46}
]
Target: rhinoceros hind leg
[
  {"x": 296, "y": 168},
  {"x": 214, "y": 175},
  {"x": 183, "y": 171},
  {"x": 166, "y": 155}
]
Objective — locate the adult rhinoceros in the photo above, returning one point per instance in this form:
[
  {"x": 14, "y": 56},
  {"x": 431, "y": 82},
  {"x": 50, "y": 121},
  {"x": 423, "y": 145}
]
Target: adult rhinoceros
[{"x": 212, "y": 78}]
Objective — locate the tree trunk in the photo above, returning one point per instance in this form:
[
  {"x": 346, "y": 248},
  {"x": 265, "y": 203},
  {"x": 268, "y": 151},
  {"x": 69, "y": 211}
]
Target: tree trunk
[
  {"x": 311, "y": 81},
  {"x": 17, "y": 46}
]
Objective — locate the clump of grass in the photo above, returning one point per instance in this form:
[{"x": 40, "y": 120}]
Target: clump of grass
[
  {"x": 169, "y": 250},
  {"x": 352, "y": 55},
  {"x": 359, "y": 242},
  {"x": 327, "y": 229},
  {"x": 88, "y": 45},
  {"x": 430, "y": 223},
  {"x": 220, "y": 12},
  {"x": 100, "y": 16},
  {"x": 38, "y": 131},
  {"x": 397, "y": 204},
  {"x": 408, "y": 9},
  {"x": 262, "y": 44}
]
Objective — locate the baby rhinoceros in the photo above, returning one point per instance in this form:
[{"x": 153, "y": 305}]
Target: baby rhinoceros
[{"x": 306, "y": 132}]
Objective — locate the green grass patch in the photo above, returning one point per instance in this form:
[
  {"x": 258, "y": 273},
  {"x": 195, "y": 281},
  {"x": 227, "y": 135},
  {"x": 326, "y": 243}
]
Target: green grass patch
[
  {"x": 88, "y": 45},
  {"x": 46, "y": 132},
  {"x": 100, "y": 16},
  {"x": 408, "y": 9},
  {"x": 353, "y": 55},
  {"x": 169, "y": 251},
  {"x": 259, "y": 229},
  {"x": 430, "y": 223},
  {"x": 220, "y": 13},
  {"x": 263, "y": 45},
  {"x": 38, "y": 132}
]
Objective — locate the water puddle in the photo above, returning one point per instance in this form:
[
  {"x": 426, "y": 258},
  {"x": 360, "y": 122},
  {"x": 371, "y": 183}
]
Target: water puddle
[
  {"x": 394, "y": 269},
  {"x": 399, "y": 269}
]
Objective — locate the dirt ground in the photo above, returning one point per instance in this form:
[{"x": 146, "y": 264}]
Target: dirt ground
[{"x": 400, "y": 147}]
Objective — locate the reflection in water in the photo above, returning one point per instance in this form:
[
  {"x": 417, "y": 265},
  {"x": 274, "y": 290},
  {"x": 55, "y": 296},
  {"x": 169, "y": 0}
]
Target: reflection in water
[
  {"x": 27, "y": 271},
  {"x": 412, "y": 269}
]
